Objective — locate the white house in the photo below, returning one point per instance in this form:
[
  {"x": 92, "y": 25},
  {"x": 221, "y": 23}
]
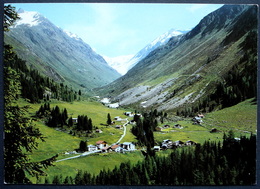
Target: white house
[
  {"x": 128, "y": 146},
  {"x": 118, "y": 118},
  {"x": 157, "y": 148},
  {"x": 75, "y": 120},
  {"x": 101, "y": 144},
  {"x": 92, "y": 148},
  {"x": 129, "y": 114}
]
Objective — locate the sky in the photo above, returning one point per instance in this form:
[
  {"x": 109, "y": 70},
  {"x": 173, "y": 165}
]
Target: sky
[{"x": 116, "y": 29}]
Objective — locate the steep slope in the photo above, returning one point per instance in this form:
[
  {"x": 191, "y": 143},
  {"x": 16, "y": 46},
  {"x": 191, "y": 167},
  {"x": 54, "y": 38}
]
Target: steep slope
[
  {"x": 58, "y": 54},
  {"x": 187, "y": 69}
]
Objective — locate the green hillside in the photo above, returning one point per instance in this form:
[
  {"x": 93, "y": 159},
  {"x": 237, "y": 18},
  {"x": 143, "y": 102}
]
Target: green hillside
[
  {"x": 186, "y": 72},
  {"x": 240, "y": 118}
]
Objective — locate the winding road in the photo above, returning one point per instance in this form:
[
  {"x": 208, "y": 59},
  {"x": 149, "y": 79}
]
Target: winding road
[
  {"x": 123, "y": 135},
  {"x": 96, "y": 151}
]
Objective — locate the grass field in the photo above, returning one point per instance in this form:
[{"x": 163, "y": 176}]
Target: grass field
[{"x": 239, "y": 118}]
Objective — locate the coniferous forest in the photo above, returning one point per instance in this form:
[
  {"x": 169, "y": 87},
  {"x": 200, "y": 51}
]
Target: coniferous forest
[
  {"x": 36, "y": 87},
  {"x": 211, "y": 163}
]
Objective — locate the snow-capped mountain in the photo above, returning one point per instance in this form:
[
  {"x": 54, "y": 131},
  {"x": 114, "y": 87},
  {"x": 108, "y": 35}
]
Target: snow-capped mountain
[
  {"x": 124, "y": 63},
  {"x": 119, "y": 63},
  {"x": 159, "y": 41},
  {"x": 59, "y": 54},
  {"x": 29, "y": 18}
]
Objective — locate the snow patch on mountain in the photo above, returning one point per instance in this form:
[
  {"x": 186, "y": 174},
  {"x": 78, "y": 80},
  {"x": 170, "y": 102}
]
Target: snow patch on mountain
[
  {"x": 120, "y": 63},
  {"x": 72, "y": 35},
  {"x": 124, "y": 63},
  {"x": 159, "y": 41},
  {"x": 164, "y": 38},
  {"x": 30, "y": 18}
]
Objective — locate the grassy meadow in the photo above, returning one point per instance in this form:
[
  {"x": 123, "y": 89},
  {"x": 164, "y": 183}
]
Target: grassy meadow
[{"x": 240, "y": 118}]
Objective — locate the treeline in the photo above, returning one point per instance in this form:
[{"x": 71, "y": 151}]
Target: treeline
[
  {"x": 230, "y": 163},
  {"x": 239, "y": 84},
  {"x": 56, "y": 117},
  {"x": 36, "y": 87}
]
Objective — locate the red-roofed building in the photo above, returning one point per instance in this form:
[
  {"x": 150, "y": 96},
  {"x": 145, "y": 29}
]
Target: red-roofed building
[{"x": 101, "y": 144}]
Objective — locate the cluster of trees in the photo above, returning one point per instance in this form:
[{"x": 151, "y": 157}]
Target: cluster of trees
[
  {"x": 21, "y": 137},
  {"x": 84, "y": 123},
  {"x": 57, "y": 118},
  {"x": 143, "y": 130},
  {"x": 230, "y": 163}
]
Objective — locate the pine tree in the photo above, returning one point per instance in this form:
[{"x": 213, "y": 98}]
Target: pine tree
[
  {"x": 21, "y": 137},
  {"x": 109, "y": 121}
]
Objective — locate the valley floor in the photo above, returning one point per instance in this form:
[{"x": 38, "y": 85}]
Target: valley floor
[{"x": 240, "y": 118}]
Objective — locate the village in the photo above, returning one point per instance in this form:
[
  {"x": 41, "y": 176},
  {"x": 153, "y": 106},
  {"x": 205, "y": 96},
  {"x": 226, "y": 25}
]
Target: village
[{"x": 101, "y": 146}]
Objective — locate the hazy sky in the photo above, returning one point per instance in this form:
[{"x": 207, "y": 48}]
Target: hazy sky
[{"x": 114, "y": 29}]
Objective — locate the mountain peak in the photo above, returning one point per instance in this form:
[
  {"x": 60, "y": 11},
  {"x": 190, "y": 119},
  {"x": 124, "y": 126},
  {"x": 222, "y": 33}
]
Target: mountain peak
[{"x": 30, "y": 18}]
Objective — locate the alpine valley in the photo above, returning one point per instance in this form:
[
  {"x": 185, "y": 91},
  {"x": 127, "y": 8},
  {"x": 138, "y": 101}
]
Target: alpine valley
[{"x": 182, "y": 111}]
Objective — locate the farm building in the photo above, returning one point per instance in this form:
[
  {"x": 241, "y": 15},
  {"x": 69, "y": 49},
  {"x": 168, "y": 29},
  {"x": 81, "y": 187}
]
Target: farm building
[
  {"x": 118, "y": 126},
  {"x": 99, "y": 131},
  {"x": 92, "y": 148},
  {"x": 101, "y": 144},
  {"x": 157, "y": 148},
  {"x": 128, "y": 146},
  {"x": 75, "y": 120}
]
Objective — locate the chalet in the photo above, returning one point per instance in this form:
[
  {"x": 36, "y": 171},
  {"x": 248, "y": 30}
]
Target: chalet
[
  {"x": 75, "y": 120},
  {"x": 200, "y": 115},
  {"x": 178, "y": 126},
  {"x": 157, "y": 148},
  {"x": 117, "y": 148},
  {"x": 119, "y": 127},
  {"x": 190, "y": 143},
  {"x": 167, "y": 144},
  {"x": 99, "y": 131},
  {"x": 178, "y": 143},
  {"x": 167, "y": 141},
  {"x": 92, "y": 148},
  {"x": 101, "y": 144},
  {"x": 129, "y": 114},
  {"x": 106, "y": 149},
  {"x": 117, "y": 118},
  {"x": 197, "y": 120},
  {"x": 128, "y": 146}
]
